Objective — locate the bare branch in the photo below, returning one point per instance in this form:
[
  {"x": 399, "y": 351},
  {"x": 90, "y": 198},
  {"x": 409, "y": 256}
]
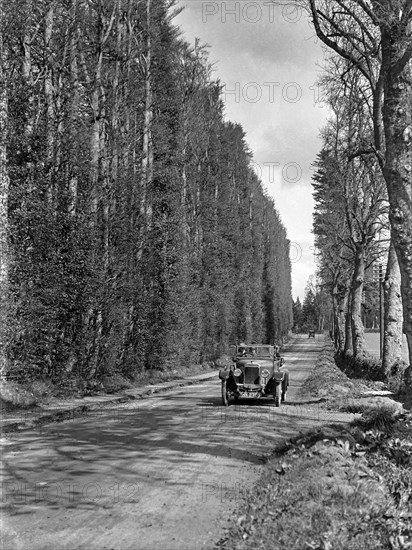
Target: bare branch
[
  {"x": 361, "y": 23},
  {"x": 360, "y": 153},
  {"x": 368, "y": 12},
  {"x": 335, "y": 46}
]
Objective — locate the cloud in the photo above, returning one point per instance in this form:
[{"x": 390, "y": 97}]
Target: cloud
[
  {"x": 270, "y": 70},
  {"x": 276, "y": 34}
]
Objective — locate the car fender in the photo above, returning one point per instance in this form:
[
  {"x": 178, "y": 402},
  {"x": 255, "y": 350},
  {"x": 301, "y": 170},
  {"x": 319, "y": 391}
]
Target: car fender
[{"x": 224, "y": 374}]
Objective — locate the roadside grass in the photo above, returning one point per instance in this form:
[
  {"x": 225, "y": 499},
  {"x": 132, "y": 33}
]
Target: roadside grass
[
  {"x": 333, "y": 489},
  {"x": 16, "y": 396},
  {"x": 157, "y": 376},
  {"x": 328, "y": 380},
  {"x": 368, "y": 368},
  {"x": 337, "y": 487},
  {"x": 365, "y": 366},
  {"x": 27, "y": 395}
]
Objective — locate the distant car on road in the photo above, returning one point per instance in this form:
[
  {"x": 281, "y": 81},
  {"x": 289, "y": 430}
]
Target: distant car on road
[
  {"x": 311, "y": 334},
  {"x": 257, "y": 371}
]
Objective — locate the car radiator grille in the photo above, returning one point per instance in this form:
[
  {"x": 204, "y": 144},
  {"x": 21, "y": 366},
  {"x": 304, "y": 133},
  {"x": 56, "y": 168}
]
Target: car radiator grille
[{"x": 252, "y": 375}]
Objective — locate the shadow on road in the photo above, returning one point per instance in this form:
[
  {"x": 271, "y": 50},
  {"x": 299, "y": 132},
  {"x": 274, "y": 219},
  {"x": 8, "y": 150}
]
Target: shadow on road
[
  {"x": 123, "y": 454},
  {"x": 131, "y": 445}
]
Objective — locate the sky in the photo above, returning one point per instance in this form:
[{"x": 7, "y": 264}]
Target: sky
[{"x": 269, "y": 59}]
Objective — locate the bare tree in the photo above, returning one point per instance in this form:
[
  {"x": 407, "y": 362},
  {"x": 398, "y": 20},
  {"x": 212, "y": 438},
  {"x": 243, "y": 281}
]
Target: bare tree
[
  {"x": 375, "y": 37},
  {"x": 353, "y": 184}
]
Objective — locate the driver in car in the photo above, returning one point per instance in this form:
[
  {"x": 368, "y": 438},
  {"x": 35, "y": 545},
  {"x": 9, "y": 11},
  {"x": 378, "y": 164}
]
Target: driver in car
[{"x": 242, "y": 349}]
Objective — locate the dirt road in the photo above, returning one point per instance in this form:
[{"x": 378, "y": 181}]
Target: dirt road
[{"x": 158, "y": 474}]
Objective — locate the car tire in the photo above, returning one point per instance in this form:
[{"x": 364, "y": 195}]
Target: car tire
[
  {"x": 277, "y": 394},
  {"x": 225, "y": 397}
]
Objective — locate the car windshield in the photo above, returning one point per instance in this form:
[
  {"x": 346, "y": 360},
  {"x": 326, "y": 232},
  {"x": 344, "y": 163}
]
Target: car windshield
[{"x": 260, "y": 351}]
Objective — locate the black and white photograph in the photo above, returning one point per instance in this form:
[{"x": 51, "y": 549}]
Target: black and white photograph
[{"x": 206, "y": 274}]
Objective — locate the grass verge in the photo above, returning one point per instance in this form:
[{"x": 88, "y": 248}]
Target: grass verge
[
  {"x": 336, "y": 488},
  {"x": 15, "y": 395}
]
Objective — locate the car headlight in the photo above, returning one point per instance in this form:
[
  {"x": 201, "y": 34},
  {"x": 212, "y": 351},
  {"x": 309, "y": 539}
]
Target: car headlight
[
  {"x": 237, "y": 372},
  {"x": 265, "y": 373}
]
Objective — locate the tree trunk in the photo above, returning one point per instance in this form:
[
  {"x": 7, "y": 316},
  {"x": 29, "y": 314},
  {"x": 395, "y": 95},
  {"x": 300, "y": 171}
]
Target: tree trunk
[
  {"x": 392, "y": 344},
  {"x": 348, "y": 348},
  {"x": 147, "y": 160},
  {"x": 97, "y": 142},
  {"x": 4, "y": 228},
  {"x": 74, "y": 107},
  {"x": 184, "y": 209},
  {"x": 334, "y": 331},
  {"x": 27, "y": 72},
  {"x": 358, "y": 340},
  {"x": 99, "y": 185},
  {"x": 28, "y": 77},
  {"x": 397, "y": 119},
  {"x": 49, "y": 97},
  {"x": 342, "y": 305}
]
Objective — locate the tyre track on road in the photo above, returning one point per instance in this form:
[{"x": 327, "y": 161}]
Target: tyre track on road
[{"x": 158, "y": 474}]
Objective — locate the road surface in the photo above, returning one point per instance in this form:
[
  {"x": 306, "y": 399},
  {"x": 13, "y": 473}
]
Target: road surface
[{"x": 162, "y": 473}]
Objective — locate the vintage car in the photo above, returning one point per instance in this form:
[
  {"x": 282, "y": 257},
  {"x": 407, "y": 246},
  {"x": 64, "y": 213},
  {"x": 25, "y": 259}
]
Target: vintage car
[{"x": 257, "y": 371}]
